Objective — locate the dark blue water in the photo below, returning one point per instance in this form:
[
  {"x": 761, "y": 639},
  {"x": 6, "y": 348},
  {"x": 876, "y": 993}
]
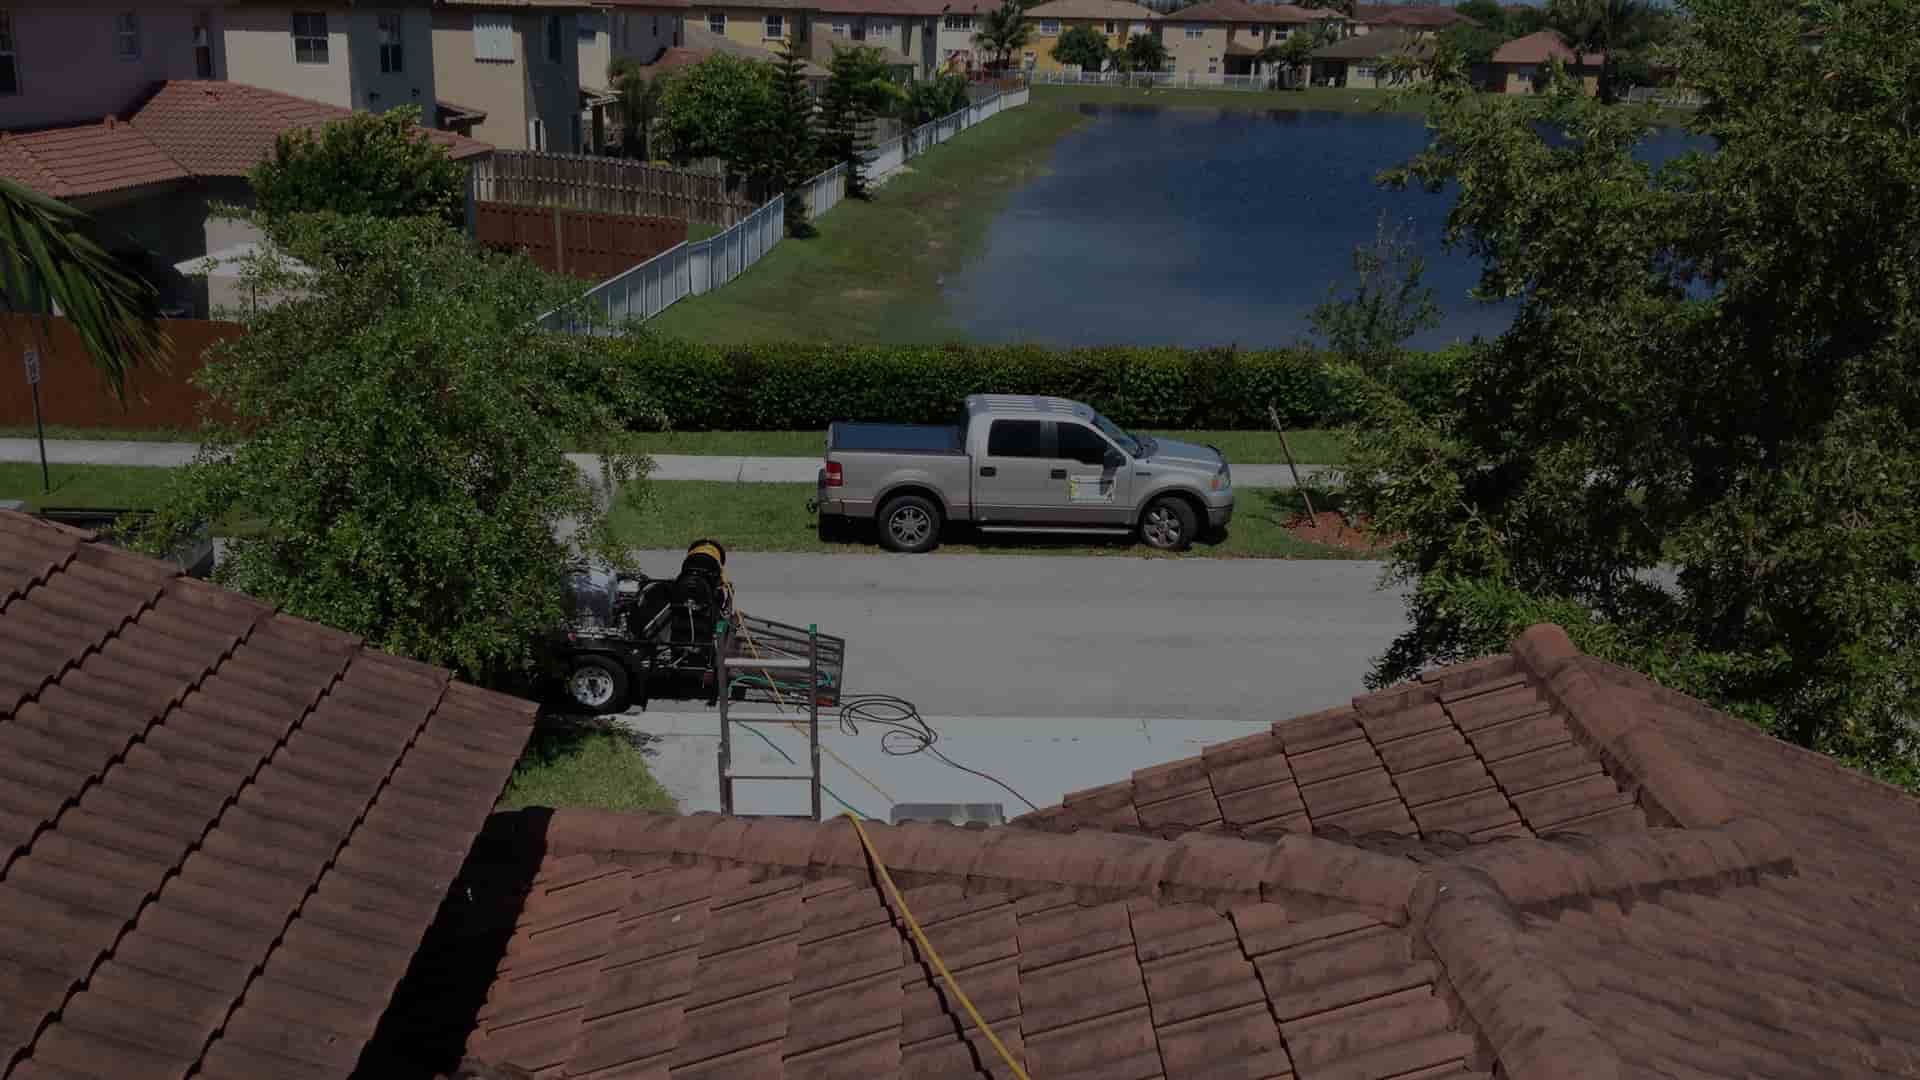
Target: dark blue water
[{"x": 1211, "y": 227}]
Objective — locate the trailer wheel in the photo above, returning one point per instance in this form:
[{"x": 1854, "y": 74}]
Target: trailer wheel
[
  {"x": 1169, "y": 524},
  {"x": 910, "y": 523},
  {"x": 597, "y": 685}
]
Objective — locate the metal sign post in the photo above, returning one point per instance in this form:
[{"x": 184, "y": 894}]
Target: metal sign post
[{"x": 32, "y": 360}]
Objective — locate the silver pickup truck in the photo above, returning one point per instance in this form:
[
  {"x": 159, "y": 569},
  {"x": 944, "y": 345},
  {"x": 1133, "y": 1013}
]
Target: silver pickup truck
[{"x": 1020, "y": 464}]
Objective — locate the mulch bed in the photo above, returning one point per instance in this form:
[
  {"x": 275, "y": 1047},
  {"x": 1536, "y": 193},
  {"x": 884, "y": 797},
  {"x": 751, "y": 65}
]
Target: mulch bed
[{"x": 1330, "y": 527}]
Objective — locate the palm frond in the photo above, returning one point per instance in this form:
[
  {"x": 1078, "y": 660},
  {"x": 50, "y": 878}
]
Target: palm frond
[{"x": 50, "y": 258}]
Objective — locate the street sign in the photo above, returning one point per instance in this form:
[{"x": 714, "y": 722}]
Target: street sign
[{"x": 33, "y": 366}]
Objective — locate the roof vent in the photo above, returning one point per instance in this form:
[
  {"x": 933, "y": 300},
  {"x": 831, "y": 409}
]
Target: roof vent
[{"x": 975, "y": 815}]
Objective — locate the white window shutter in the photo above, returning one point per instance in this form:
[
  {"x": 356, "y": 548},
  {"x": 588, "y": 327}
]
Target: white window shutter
[{"x": 492, "y": 36}]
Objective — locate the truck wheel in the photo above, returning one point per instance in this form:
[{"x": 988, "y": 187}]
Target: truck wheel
[
  {"x": 597, "y": 685},
  {"x": 1169, "y": 524},
  {"x": 910, "y": 523}
]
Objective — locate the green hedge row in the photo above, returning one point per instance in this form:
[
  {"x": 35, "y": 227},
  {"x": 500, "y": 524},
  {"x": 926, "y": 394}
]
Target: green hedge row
[{"x": 796, "y": 387}]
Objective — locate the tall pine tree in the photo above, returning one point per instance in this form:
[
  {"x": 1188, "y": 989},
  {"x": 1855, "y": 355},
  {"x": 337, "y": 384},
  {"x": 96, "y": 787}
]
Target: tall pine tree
[{"x": 796, "y": 153}]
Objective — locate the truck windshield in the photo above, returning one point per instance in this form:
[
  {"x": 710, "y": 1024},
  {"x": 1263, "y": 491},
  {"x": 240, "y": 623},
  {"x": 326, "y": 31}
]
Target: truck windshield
[{"x": 1113, "y": 431}]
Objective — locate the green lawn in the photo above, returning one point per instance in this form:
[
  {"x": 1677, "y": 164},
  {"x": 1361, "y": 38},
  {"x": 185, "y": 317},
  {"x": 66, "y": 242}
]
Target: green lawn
[
  {"x": 872, "y": 274},
  {"x": 1310, "y": 447},
  {"x": 700, "y": 230},
  {"x": 127, "y": 487},
  {"x": 774, "y": 517},
  {"x": 584, "y": 765},
  {"x": 1317, "y": 97}
]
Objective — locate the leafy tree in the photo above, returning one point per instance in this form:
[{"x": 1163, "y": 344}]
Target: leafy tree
[
  {"x": 1473, "y": 45},
  {"x": 638, "y": 105},
  {"x": 1344, "y": 7},
  {"x": 1146, "y": 52},
  {"x": 1291, "y": 53},
  {"x": 398, "y": 444},
  {"x": 50, "y": 259},
  {"x": 796, "y": 150},
  {"x": 1524, "y": 19},
  {"x": 1488, "y": 13},
  {"x": 1082, "y": 47},
  {"x": 860, "y": 89},
  {"x": 381, "y": 164},
  {"x": 1389, "y": 303},
  {"x": 722, "y": 107},
  {"x": 931, "y": 99},
  {"x": 1608, "y": 27},
  {"x": 1003, "y": 32},
  {"x": 1698, "y": 445}
]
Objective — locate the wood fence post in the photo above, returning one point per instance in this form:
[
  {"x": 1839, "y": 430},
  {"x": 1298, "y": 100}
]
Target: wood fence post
[{"x": 559, "y": 242}]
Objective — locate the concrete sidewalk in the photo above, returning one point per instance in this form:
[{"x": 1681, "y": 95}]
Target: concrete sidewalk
[{"x": 722, "y": 468}]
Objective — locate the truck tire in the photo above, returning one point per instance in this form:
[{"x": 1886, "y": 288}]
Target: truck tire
[
  {"x": 1169, "y": 524},
  {"x": 909, "y": 523},
  {"x": 596, "y": 684}
]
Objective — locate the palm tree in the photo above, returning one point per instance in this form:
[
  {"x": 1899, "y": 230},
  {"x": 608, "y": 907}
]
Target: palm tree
[
  {"x": 50, "y": 260},
  {"x": 639, "y": 102},
  {"x": 1003, "y": 32}
]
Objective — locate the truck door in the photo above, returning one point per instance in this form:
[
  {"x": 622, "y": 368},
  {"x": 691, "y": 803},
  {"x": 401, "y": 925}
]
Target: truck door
[
  {"x": 1013, "y": 482},
  {"x": 1095, "y": 491}
]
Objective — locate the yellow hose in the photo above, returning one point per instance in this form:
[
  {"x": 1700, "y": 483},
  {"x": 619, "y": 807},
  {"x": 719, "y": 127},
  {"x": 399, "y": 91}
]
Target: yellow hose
[{"x": 926, "y": 947}]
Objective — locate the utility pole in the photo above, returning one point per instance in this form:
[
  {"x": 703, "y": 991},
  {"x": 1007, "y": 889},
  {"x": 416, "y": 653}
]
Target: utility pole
[{"x": 32, "y": 360}]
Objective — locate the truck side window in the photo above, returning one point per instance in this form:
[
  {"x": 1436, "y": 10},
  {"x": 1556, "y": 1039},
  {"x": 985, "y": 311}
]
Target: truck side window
[
  {"x": 1017, "y": 438},
  {"x": 1081, "y": 444}
]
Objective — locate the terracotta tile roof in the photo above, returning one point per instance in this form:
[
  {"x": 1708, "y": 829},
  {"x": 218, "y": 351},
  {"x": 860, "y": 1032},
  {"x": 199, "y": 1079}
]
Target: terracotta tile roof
[
  {"x": 1091, "y": 9},
  {"x": 223, "y": 831},
  {"x": 1534, "y": 863},
  {"x": 186, "y": 129},
  {"x": 226, "y": 128},
  {"x": 1372, "y": 46},
  {"x": 86, "y": 160},
  {"x": 1239, "y": 11},
  {"x": 1538, "y": 48}
]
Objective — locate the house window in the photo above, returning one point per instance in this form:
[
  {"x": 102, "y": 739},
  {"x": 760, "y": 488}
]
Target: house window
[
  {"x": 310, "y": 37},
  {"x": 536, "y": 135},
  {"x": 493, "y": 37},
  {"x": 1362, "y": 71},
  {"x": 1049, "y": 27},
  {"x": 776, "y": 27},
  {"x": 393, "y": 59},
  {"x": 1196, "y": 32},
  {"x": 9, "y": 65},
  {"x": 126, "y": 36},
  {"x": 839, "y": 29},
  {"x": 959, "y": 22},
  {"x": 553, "y": 38},
  {"x": 575, "y": 132},
  {"x": 1213, "y": 67},
  {"x": 202, "y": 47},
  {"x": 1112, "y": 28},
  {"x": 717, "y": 23},
  {"x": 878, "y": 26}
]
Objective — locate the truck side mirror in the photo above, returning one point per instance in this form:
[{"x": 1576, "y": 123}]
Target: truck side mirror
[{"x": 1115, "y": 458}]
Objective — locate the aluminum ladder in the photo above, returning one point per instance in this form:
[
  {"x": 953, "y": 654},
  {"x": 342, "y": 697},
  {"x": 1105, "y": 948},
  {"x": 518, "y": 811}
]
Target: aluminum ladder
[{"x": 727, "y": 665}]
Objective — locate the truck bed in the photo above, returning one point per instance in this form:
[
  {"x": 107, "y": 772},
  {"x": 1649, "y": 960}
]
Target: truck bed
[{"x": 896, "y": 438}]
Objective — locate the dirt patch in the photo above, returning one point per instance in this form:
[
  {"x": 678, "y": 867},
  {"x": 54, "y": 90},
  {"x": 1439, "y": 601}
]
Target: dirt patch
[
  {"x": 861, "y": 294},
  {"x": 1331, "y": 527}
]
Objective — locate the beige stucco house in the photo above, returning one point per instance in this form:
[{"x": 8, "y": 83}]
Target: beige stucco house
[
  {"x": 1384, "y": 58},
  {"x": 355, "y": 57},
  {"x": 1520, "y": 66},
  {"x": 518, "y": 63},
  {"x": 1225, "y": 37},
  {"x": 639, "y": 30}
]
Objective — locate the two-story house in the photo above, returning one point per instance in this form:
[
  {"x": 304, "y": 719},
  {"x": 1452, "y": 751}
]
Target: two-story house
[
  {"x": 1226, "y": 37},
  {"x": 1370, "y": 61},
  {"x": 636, "y": 30},
  {"x": 354, "y": 57},
  {"x": 1418, "y": 20},
  {"x": 958, "y": 22},
  {"x": 518, "y": 63},
  {"x": 1114, "y": 20}
]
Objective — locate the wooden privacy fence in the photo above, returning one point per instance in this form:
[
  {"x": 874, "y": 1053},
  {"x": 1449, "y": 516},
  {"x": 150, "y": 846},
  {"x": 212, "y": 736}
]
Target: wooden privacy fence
[
  {"x": 72, "y": 392},
  {"x": 576, "y": 242},
  {"x": 606, "y": 186}
]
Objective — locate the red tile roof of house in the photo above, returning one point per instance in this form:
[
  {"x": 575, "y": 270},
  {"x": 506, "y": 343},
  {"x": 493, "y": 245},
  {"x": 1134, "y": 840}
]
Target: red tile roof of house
[
  {"x": 1540, "y": 47},
  {"x": 223, "y": 831},
  {"x": 186, "y": 129},
  {"x": 1536, "y": 863},
  {"x": 1239, "y": 11},
  {"x": 1091, "y": 9}
]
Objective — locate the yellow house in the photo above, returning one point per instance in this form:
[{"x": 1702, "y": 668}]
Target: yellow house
[
  {"x": 1520, "y": 66},
  {"x": 768, "y": 24},
  {"x": 1113, "y": 20},
  {"x": 1225, "y": 37}
]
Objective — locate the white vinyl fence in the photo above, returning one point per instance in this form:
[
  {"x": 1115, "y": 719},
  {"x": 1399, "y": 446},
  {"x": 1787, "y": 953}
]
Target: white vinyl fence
[
  {"x": 1670, "y": 98},
  {"x": 1156, "y": 79},
  {"x": 704, "y": 265}
]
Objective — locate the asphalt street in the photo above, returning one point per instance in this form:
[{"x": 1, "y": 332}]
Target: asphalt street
[{"x": 1096, "y": 637}]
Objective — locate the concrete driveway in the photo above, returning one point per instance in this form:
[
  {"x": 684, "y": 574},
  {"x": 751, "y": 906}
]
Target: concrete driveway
[{"x": 1055, "y": 673}]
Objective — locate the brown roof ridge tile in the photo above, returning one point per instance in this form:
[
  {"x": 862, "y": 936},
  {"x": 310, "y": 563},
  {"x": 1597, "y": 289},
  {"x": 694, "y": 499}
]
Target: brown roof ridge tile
[
  {"x": 1563, "y": 870},
  {"x": 1301, "y": 871},
  {"x": 1627, "y": 739},
  {"x": 1506, "y": 987}
]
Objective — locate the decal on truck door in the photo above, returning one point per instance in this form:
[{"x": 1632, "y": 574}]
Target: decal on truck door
[{"x": 1089, "y": 489}]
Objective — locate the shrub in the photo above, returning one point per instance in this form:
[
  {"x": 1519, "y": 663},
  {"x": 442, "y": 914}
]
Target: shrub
[{"x": 793, "y": 386}]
